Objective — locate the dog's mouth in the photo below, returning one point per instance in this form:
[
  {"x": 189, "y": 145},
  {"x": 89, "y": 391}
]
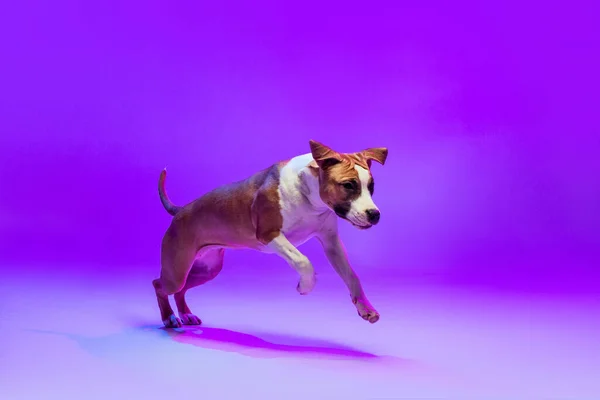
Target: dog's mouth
[
  {"x": 361, "y": 227},
  {"x": 342, "y": 212}
]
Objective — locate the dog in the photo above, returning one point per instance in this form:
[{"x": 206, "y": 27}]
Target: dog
[{"x": 273, "y": 211}]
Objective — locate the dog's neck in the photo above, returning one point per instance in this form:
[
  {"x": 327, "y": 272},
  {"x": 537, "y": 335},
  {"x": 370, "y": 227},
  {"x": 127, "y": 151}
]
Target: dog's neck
[
  {"x": 309, "y": 177},
  {"x": 300, "y": 183}
]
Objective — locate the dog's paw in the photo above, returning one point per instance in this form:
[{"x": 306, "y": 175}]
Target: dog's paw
[
  {"x": 190, "y": 319},
  {"x": 366, "y": 310},
  {"x": 172, "y": 322},
  {"x": 372, "y": 316},
  {"x": 306, "y": 284}
]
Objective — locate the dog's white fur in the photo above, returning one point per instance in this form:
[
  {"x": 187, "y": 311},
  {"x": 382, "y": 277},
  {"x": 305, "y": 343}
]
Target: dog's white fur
[
  {"x": 305, "y": 216},
  {"x": 357, "y": 214}
]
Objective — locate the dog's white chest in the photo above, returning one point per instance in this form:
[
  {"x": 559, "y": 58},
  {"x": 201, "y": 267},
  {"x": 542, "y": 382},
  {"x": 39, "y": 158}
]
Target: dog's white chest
[
  {"x": 299, "y": 227},
  {"x": 301, "y": 220}
]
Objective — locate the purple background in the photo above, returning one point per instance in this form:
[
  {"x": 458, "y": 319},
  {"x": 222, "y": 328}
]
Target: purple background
[{"x": 489, "y": 112}]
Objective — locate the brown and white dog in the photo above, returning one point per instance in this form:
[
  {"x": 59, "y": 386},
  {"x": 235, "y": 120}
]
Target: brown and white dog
[{"x": 273, "y": 211}]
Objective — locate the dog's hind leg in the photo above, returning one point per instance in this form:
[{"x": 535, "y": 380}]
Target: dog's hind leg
[
  {"x": 176, "y": 263},
  {"x": 206, "y": 267},
  {"x": 166, "y": 312}
]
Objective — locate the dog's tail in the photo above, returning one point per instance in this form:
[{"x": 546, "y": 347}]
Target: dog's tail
[{"x": 164, "y": 199}]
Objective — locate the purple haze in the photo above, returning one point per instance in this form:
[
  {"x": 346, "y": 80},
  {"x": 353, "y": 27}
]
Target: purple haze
[
  {"x": 485, "y": 266},
  {"x": 489, "y": 112}
]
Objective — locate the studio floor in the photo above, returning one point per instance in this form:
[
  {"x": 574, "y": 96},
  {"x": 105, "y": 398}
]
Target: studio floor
[{"x": 69, "y": 336}]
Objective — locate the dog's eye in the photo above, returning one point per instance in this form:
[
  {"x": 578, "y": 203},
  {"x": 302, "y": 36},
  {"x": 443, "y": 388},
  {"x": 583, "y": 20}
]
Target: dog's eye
[{"x": 349, "y": 185}]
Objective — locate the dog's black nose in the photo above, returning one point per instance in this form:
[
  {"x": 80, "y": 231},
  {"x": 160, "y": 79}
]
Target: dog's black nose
[{"x": 373, "y": 216}]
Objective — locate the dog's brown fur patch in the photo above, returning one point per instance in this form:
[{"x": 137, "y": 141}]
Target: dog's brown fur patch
[
  {"x": 330, "y": 188},
  {"x": 266, "y": 211}
]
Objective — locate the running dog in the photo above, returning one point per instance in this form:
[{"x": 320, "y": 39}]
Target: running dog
[{"x": 273, "y": 211}]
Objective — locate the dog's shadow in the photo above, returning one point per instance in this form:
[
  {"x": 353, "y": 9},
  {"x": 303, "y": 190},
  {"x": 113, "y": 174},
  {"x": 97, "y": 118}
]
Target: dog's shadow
[
  {"x": 263, "y": 345},
  {"x": 134, "y": 342}
]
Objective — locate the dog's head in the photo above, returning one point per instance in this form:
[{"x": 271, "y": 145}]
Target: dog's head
[{"x": 346, "y": 184}]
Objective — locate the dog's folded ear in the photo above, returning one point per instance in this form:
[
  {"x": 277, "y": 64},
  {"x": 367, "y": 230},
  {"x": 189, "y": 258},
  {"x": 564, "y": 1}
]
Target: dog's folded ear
[
  {"x": 323, "y": 155},
  {"x": 378, "y": 154}
]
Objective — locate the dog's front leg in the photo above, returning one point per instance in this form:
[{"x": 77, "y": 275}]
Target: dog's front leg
[
  {"x": 336, "y": 254},
  {"x": 286, "y": 250}
]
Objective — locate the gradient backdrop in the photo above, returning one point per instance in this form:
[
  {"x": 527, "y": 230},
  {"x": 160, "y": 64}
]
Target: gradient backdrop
[{"x": 489, "y": 111}]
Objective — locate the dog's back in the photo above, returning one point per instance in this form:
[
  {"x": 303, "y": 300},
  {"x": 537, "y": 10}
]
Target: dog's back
[{"x": 227, "y": 215}]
